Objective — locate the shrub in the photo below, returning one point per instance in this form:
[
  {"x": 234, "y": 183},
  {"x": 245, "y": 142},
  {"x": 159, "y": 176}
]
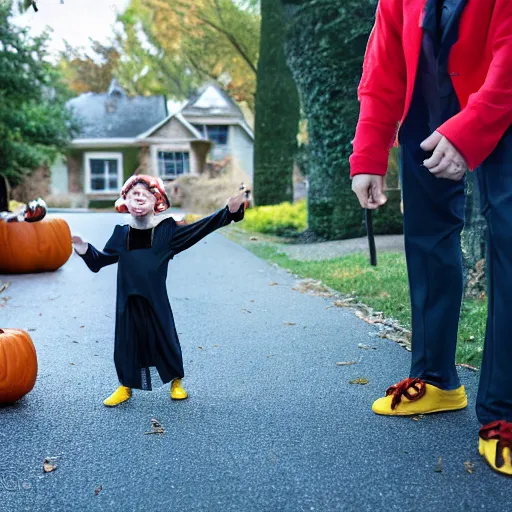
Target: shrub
[
  {"x": 202, "y": 194},
  {"x": 281, "y": 219},
  {"x": 101, "y": 204}
]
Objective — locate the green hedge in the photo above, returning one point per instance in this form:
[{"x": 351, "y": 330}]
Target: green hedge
[
  {"x": 288, "y": 219},
  {"x": 325, "y": 45},
  {"x": 101, "y": 204}
]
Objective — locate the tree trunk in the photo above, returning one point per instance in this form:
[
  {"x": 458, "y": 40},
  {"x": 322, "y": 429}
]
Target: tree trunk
[
  {"x": 277, "y": 113},
  {"x": 325, "y": 46}
]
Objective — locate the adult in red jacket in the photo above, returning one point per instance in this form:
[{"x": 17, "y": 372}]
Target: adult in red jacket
[{"x": 441, "y": 72}]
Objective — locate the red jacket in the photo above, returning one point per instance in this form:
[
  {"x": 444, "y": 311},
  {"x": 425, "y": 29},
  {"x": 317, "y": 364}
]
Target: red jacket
[{"x": 480, "y": 66}]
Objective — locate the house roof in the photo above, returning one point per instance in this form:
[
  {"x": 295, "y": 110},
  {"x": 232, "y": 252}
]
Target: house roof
[
  {"x": 164, "y": 121},
  {"x": 116, "y": 115},
  {"x": 211, "y": 100}
]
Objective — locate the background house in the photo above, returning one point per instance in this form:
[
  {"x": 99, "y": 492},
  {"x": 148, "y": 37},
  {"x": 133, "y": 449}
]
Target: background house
[
  {"x": 219, "y": 119},
  {"x": 122, "y": 135}
]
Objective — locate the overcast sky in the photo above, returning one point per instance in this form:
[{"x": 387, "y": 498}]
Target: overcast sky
[{"x": 74, "y": 20}]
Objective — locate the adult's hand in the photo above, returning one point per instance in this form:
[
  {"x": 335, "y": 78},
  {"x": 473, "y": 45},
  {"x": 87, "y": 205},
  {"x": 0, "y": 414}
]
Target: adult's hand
[
  {"x": 445, "y": 162},
  {"x": 369, "y": 190}
]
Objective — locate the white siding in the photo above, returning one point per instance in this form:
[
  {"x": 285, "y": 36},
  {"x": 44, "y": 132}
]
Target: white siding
[
  {"x": 241, "y": 148},
  {"x": 59, "y": 177}
]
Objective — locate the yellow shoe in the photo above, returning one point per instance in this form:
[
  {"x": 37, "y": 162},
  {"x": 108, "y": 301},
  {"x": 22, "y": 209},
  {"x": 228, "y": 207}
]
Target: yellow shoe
[
  {"x": 177, "y": 391},
  {"x": 120, "y": 395},
  {"x": 495, "y": 445},
  {"x": 414, "y": 396}
]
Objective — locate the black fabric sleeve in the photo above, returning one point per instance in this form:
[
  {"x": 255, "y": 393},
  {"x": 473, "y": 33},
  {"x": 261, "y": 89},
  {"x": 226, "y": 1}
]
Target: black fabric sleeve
[
  {"x": 186, "y": 236},
  {"x": 96, "y": 259}
]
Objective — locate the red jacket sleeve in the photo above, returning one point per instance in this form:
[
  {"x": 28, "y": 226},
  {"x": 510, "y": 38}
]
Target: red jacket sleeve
[
  {"x": 381, "y": 92},
  {"x": 478, "y": 128}
]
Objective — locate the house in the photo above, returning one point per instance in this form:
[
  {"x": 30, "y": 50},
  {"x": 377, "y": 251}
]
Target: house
[{"x": 121, "y": 135}]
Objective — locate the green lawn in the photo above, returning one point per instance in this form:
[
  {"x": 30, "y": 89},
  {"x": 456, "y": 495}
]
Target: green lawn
[{"x": 383, "y": 288}]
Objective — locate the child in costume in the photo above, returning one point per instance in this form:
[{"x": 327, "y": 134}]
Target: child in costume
[{"x": 147, "y": 349}]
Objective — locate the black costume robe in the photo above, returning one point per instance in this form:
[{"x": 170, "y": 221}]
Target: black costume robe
[{"x": 146, "y": 341}]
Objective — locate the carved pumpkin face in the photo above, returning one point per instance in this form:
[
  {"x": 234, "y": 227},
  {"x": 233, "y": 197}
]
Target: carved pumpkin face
[
  {"x": 34, "y": 247},
  {"x": 18, "y": 365},
  {"x": 35, "y": 211}
]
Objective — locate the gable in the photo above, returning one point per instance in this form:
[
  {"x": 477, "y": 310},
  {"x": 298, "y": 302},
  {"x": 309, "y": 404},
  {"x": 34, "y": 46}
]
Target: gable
[
  {"x": 210, "y": 98},
  {"x": 173, "y": 129}
]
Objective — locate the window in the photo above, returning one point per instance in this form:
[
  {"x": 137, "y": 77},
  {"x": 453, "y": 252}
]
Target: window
[
  {"x": 103, "y": 172},
  {"x": 200, "y": 129},
  {"x": 172, "y": 164},
  {"x": 218, "y": 134}
]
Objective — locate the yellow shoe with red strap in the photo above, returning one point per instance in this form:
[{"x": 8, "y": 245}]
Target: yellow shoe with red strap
[
  {"x": 495, "y": 445},
  {"x": 414, "y": 396}
]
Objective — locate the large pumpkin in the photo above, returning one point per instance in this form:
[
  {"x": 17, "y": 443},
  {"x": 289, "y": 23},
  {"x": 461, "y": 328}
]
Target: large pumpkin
[
  {"x": 34, "y": 247},
  {"x": 18, "y": 365}
]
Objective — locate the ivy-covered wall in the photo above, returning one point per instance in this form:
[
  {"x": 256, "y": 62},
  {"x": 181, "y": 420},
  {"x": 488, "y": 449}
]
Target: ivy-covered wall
[
  {"x": 277, "y": 113},
  {"x": 325, "y": 45}
]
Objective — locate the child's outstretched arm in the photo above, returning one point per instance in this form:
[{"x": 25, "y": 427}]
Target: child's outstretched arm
[
  {"x": 186, "y": 236},
  {"x": 93, "y": 258}
]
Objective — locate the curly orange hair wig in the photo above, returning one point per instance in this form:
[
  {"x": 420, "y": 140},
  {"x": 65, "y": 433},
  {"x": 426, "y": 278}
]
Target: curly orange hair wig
[{"x": 154, "y": 185}]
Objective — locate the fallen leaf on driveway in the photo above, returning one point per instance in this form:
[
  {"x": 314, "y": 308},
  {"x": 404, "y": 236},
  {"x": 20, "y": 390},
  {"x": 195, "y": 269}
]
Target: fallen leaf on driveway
[
  {"x": 202, "y": 348},
  {"x": 289, "y": 323},
  {"x": 48, "y": 467},
  {"x": 4, "y": 287},
  {"x": 246, "y": 310},
  {"x": 346, "y": 363},
  {"x": 273, "y": 283},
  {"x": 72, "y": 364},
  {"x": 156, "y": 427},
  {"x": 313, "y": 287},
  {"x": 366, "y": 347},
  {"x": 359, "y": 381},
  {"x": 439, "y": 465},
  {"x": 97, "y": 490},
  {"x": 469, "y": 466}
]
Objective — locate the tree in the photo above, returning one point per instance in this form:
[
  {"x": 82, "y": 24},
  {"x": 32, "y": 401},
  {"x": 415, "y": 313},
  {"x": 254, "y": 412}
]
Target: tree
[
  {"x": 277, "y": 113},
  {"x": 325, "y": 46},
  {"x": 86, "y": 73},
  {"x": 185, "y": 42},
  {"x": 34, "y": 123}
]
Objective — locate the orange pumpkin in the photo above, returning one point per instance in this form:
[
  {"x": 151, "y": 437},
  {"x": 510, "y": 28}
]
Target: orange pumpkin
[
  {"x": 34, "y": 247},
  {"x": 18, "y": 365}
]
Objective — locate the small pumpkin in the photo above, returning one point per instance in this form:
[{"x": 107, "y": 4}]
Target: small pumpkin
[
  {"x": 34, "y": 247},
  {"x": 18, "y": 365}
]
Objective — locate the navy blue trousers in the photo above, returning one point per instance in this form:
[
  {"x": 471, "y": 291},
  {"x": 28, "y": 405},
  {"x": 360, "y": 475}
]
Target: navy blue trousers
[{"x": 433, "y": 221}]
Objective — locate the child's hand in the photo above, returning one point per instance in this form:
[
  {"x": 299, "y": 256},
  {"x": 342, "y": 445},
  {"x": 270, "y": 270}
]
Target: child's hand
[
  {"x": 79, "y": 245},
  {"x": 235, "y": 202}
]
